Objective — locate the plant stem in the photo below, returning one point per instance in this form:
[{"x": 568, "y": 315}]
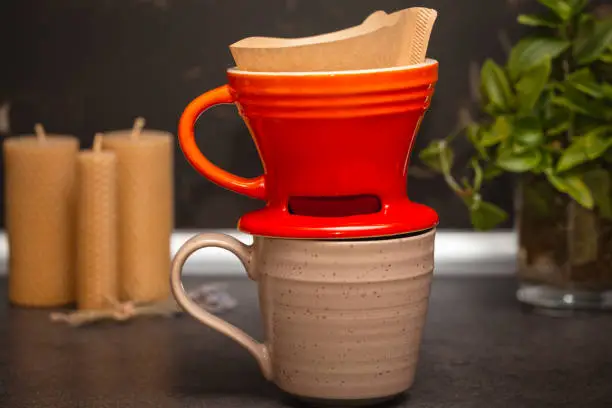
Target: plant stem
[{"x": 446, "y": 171}]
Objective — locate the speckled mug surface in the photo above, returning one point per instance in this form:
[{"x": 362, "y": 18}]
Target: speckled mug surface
[{"x": 343, "y": 318}]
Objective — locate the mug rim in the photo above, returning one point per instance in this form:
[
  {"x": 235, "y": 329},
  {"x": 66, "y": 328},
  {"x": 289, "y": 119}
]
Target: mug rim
[
  {"x": 428, "y": 62},
  {"x": 357, "y": 240}
]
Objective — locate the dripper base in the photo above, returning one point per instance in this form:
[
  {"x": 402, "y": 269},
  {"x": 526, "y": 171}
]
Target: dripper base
[{"x": 396, "y": 218}]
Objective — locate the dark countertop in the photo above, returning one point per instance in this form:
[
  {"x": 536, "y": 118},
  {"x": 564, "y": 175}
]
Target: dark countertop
[{"x": 480, "y": 350}]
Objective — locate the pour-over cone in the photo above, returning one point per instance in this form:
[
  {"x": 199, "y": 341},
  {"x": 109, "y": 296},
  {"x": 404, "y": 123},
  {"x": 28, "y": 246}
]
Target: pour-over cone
[{"x": 321, "y": 137}]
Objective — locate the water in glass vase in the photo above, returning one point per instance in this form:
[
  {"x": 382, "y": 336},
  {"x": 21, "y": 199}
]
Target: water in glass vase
[{"x": 565, "y": 250}]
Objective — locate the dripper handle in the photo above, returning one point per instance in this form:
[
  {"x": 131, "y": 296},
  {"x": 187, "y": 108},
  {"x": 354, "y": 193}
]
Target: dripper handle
[
  {"x": 244, "y": 254},
  {"x": 251, "y": 187}
]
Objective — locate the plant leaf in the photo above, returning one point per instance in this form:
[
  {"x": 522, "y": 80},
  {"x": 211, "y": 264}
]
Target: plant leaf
[
  {"x": 491, "y": 171},
  {"x": 499, "y": 131},
  {"x": 578, "y": 102},
  {"x": 579, "y": 192},
  {"x": 531, "y": 51},
  {"x": 606, "y": 57},
  {"x": 533, "y": 20},
  {"x": 574, "y": 187},
  {"x": 598, "y": 181},
  {"x": 572, "y": 156},
  {"x": 518, "y": 148},
  {"x": 568, "y": 104},
  {"x": 432, "y": 155},
  {"x": 495, "y": 85},
  {"x": 597, "y": 141},
  {"x": 531, "y": 84},
  {"x": 577, "y": 5},
  {"x": 556, "y": 119},
  {"x": 527, "y": 131},
  {"x": 591, "y": 146},
  {"x": 560, "y": 7},
  {"x": 545, "y": 163},
  {"x": 556, "y": 181},
  {"x": 586, "y": 25},
  {"x": 606, "y": 90},
  {"x": 590, "y": 46},
  {"x": 485, "y": 216},
  {"x": 585, "y": 82},
  {"x": 518, "y": 162},
  {"x": 585, "y": 148},
  {"x": 559, "y": 129}
]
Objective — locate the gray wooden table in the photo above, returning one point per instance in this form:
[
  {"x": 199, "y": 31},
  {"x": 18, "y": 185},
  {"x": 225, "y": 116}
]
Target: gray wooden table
[{"x": 480, "y": 349}]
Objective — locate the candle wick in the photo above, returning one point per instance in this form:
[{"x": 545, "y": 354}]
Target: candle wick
[
  {"x": 139, "y": 124},
  {"x": 97, "y": 142},
  {"x": 41, "y": 135}
]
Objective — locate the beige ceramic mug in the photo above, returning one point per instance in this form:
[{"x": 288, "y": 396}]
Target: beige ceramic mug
[{"x": 343, "y": 318}]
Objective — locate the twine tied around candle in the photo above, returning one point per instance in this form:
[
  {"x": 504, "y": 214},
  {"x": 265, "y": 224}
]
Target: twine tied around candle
[
  {"x": 119, "y": 312},
  {"x": 212, "y": 297}
]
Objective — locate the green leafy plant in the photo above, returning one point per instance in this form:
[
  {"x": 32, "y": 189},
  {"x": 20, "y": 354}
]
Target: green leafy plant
[{"x": 547, "y": 111}]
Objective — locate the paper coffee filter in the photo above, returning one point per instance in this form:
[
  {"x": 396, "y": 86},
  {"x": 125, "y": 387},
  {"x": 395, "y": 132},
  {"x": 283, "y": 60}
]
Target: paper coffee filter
[
  {"x": 382, "y": 40},
  {"x": 373, "y": 22},
  {"x": 419, "y": 25}
]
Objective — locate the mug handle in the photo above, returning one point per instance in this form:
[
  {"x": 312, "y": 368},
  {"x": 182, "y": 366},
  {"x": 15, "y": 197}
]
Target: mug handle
[
  {"x": 244, "y": 254},
  {"x": 251, "y": 187}
]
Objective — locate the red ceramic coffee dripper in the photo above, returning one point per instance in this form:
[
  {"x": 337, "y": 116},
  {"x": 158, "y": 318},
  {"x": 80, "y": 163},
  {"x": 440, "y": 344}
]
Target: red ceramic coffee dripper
[{"x": 334, "y": 147}]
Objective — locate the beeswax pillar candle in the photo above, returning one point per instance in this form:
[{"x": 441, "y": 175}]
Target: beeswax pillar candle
[
  {"x": 96, "y": 267},
  {"x": 39, "y": 213},
  {"x": 145, "y": 205}
]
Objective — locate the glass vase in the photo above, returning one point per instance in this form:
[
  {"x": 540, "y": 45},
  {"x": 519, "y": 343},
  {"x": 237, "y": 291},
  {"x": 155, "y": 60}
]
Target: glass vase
[{"x": 565, "y": 250}]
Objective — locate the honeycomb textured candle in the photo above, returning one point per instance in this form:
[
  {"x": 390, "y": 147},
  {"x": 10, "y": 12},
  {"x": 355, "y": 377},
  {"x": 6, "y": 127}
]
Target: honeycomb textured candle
[
  {"x": 40, "y": 221},
  {"x": 97, "y": 230},
  {"x": 145, "y": 211}
]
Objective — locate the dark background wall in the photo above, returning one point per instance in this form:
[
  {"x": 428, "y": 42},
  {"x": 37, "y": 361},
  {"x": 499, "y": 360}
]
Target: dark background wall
[{"x": 85, "y": 66}]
